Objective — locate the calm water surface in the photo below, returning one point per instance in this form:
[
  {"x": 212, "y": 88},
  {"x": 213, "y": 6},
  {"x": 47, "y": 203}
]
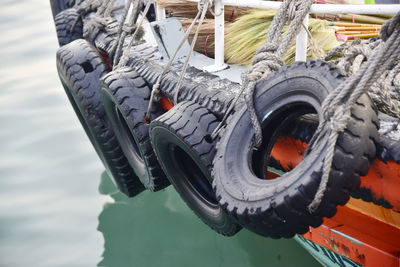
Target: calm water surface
[{"x": 58, "y": 207}]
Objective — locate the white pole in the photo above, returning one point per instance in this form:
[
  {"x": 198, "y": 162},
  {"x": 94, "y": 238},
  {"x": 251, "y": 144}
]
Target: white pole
[
  {"x": 219, "y": 33},
  {"x": 160, "y": 12},
  {"x": 301, "y": 42}
]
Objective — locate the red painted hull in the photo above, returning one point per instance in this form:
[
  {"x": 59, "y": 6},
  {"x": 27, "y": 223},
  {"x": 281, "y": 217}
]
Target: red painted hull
[{"x": 361, "y": 231}]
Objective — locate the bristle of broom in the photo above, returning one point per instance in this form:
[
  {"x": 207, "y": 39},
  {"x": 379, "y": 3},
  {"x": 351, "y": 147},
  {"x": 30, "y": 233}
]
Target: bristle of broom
[{"x": 249, "y": 32}]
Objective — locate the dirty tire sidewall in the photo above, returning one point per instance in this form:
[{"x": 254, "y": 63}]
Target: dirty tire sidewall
[
  {"x": 179, "y": 140},
  {"x": 126, "y": 98},
  {"x": 64, "y": 22},
  {"x": 80, "y": 67}
]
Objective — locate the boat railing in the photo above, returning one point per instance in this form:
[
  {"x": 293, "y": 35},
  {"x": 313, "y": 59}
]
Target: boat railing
[{"x": 301, "y": 39}]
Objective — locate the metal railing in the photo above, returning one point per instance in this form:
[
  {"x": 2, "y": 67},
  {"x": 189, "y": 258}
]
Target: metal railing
[{"x": 301, "y": 40}]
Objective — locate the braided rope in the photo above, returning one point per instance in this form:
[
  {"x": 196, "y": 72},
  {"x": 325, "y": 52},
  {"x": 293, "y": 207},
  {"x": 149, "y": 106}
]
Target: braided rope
[
  {"x": 107, "y": 12},
  {"x": 337, "y": 106},
  {"x": 385, "y": 91},
  {"x": 125, "y": 55},
  {"x": 202, "y": 5},
  {"x": 99, "y": 20},
  {"x": 82, "y": 8},
  {"x": 125, "y": 28},
  {"x": 269, "y": 58}
]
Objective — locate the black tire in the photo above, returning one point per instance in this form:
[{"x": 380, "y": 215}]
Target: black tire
[
  {"x": 59, "y": 5},
  {"x": 278, "y": 208},
  {"x": 64, "y": 22},
  {"x": 179, "y": 138},
  {"x": 80, "y": 67},
  {"x": 126, "y": 98}
]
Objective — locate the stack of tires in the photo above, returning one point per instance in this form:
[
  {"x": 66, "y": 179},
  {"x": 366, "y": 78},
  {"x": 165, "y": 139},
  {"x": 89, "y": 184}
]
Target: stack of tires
[{"x": 224, "y": 181}]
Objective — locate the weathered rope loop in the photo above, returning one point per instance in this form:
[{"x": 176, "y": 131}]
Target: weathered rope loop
[
  {"x": 335, "y": 52},
  {"x": 389, "y": 27},
  {"x": 94, "y": 25},
  {"x": 202, "y": 3},
  {"x": 98, "y": 21},
  {"x": 82, "y": 8},
  {"x": 128, "y": 29},
  {"x": 385, "y": 91},
  {"x": 116, "y": 49},
  {"x": 125, "y": 55},
  {"x": 155, "y": 91},
  {"x": 215, "y": 14},
  {"x": 204, "y": 6},
  {"x": 337, "y": 106}
]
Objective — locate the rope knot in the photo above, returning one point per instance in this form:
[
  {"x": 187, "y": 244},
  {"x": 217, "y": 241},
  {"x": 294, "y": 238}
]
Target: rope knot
[
  {"x": 354, "y": 51},
  {"x": 128, "y": 29},
  {"x": 267, "y": 48},
  {"x": 264, "y": 62},
  {"x": 389, "y": 27},
  {"x": 202, "y": 3},
  {"x": 88, "y": 6},
  {"x": 339, "y": 120},
  {"x": 156, "y": 87},
  {"x": 94, "y": 25},
  {"x": 156, "y": 92}
]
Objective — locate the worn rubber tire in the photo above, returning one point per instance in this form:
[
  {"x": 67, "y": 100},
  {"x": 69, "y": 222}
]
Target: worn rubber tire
[
  {"x": 64, "y": 22},
  {"x": 278, "y": 208},
  {"x": 59, "y": 5},
  {"x": 179, "y": 138},
  {"x": 80, "y": 67},
  {"x": 126, "y": 98}
]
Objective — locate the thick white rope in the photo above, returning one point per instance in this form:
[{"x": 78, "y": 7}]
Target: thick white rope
[
  {"x": 385, "y": 92},
  {"x": 337, "y": 106}
]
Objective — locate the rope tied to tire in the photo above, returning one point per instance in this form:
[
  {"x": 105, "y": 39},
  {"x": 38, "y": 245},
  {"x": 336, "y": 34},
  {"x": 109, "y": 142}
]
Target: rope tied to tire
[
  {"x": 122, "y": 60},
  {"x": 98, "y": 21},
  {"x": 82, "y": 8},
  {"x": 336, "y": 108},
  {"x": 202, "y": 7},
  {"x": 269, "y": 58},
  {"x": 385, "y": 91},
  {"x": 127, "y": 27}
]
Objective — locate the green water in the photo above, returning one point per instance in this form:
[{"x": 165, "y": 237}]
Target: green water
[{"x": 51, "y": 211}]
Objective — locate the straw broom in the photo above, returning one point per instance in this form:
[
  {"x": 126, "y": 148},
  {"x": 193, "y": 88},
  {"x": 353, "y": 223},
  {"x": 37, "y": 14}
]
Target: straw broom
[{"x": 249, "y": 31}]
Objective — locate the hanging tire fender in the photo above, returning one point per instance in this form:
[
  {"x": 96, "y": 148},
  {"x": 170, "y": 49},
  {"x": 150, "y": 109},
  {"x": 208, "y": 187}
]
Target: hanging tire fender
[
  {"x": 278, "y": 207},
  {"x": 181, "y": 141},
  {"x": 126, "y": 97},
  {"x": 80, "y": 67}
]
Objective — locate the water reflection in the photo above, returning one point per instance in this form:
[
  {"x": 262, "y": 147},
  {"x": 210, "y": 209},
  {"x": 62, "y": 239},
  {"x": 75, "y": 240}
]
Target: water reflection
[{"x": 157, "y": 229}]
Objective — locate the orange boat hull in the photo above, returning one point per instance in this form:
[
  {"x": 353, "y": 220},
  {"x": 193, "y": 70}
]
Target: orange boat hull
[{"x": 364, "y": 232}]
